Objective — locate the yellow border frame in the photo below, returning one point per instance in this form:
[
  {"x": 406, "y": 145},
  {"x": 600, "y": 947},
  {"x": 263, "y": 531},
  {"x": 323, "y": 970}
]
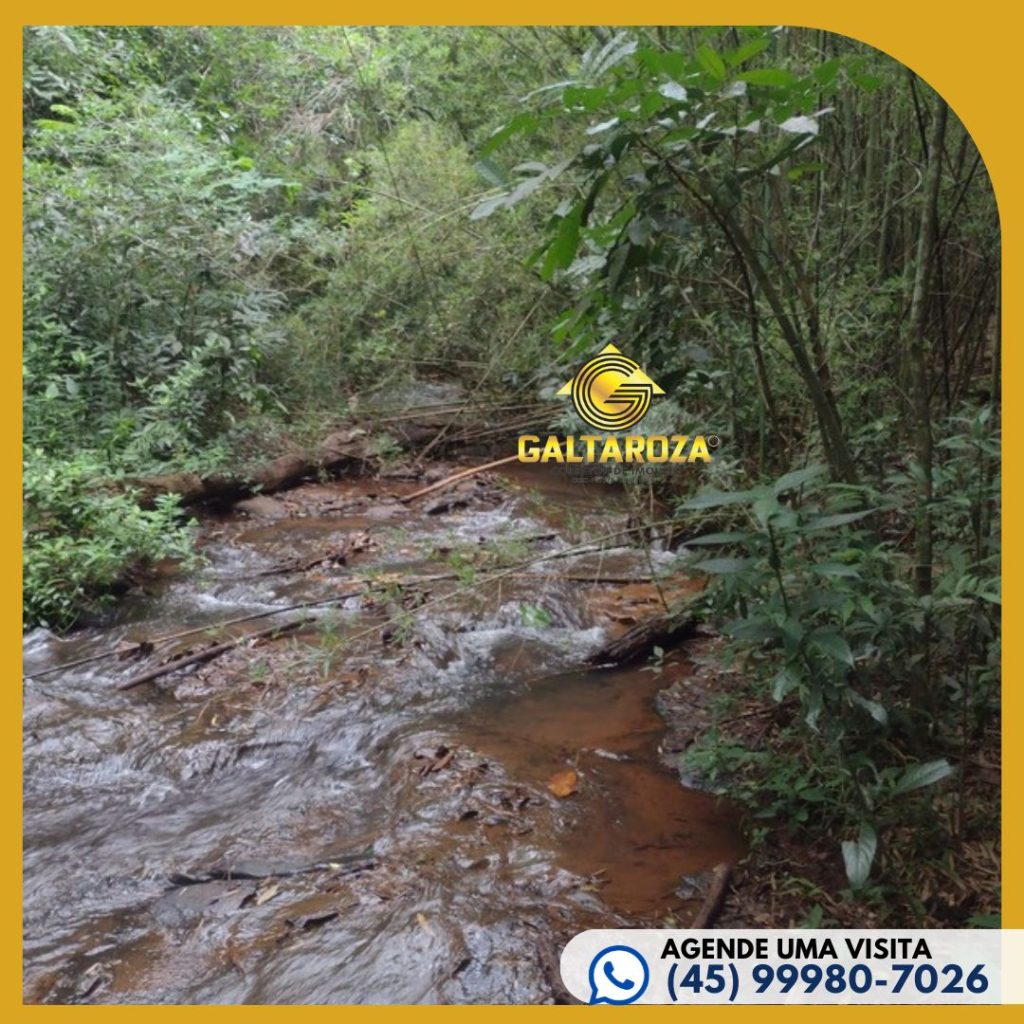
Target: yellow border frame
[{"x": 971, "y": 54}]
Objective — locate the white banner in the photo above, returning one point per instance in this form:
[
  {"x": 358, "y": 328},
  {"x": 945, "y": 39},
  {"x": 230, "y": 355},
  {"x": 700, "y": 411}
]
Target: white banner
[{"x": 623, "y": 966}]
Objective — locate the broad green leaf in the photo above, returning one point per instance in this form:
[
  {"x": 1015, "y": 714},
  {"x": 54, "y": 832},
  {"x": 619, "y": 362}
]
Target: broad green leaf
[
  {"x": 768, "y": 511},
  {"x": 724, "y": 566},
  {"x": 917, "y": 776},
  {"x": 784, "y": 682},
  {"x": 491, "y": 173},
  {"x": 840, "y": 519},
  {"x": 587, "y": 98},
  {"x": 524, "y": 122},
  {"x": 868, "y": 82},
  {"x": 825, "y": 74},
  {"x": 872, "y": 707},
  {"x": 777, "y": 78},
  {"x": 718, "y": 538},
  {"x": 797, "y": 478},
  {"x": 753, "y": 629},
  {"x": 859, "y": 855},
  {"x": 616, "y": 49},
  {"x": 831, "y": 643},
  {"x": 746, "y": 51},
  {"x": 835, "y": 570},
  {"x": 562, "y": 249},
  {"x": 711, "y": 63}
]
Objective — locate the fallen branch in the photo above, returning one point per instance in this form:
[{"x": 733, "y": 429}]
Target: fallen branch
[
  {"x": 657, "y": 631},
  {"x": 209, "y": 653},
  {"x": 713, "y": 900},
  {"x": 455, "y": 477},
  {"x": 139, "y": 646},
  {"x": 339, "y": 451}
]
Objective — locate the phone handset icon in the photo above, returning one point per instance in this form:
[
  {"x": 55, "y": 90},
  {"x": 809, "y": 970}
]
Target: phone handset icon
[{"x": 609, "y": 973}]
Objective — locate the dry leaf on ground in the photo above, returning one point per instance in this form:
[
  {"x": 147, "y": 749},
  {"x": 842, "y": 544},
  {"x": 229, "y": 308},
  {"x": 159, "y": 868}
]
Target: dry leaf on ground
[{"x": 564, "y": 783}]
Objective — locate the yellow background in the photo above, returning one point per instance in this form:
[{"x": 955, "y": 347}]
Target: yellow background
[{"x": 972, "y": 53}]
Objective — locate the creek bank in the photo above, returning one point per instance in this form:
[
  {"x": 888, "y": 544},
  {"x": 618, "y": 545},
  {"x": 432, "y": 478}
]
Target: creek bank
[{"x": 792, "y": 875}]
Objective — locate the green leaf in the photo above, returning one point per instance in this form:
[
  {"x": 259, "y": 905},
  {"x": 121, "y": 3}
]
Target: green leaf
[
  {"x": 776, "y": 78},
  {"x": 746, "y": 51},
  {"x": 767, "y": 509},
  {"x": 753, "y": 629},
  {"x": 491, "y": 173},
  {"x": 65, "y": 111},
  {"x": 714, "y": 499},
  {"x": 858, "y": 856},
  {"x": 711, "y": 63},
  {"x": 917, "y": 776},
  {"x": 524, "y": 122},
  {"x": 724, "y": 566},
  {"x": 840, "y": 519},
  {"x": 872, "y": 707},
  {"x": 562, "y": 249},
  {"x": 831, "y": 643},
  {"x": 825, "y": 74},
  {"x": 785, "y": 681},
  {"x": 718, "y": 538},
  {"x": 533, "y": 615},
  {"x": 47, "y": 124},
  {"x": 985, "y": 921},
  {"x": 835, "y": 570},
  {"x": 867, "y": 82}
]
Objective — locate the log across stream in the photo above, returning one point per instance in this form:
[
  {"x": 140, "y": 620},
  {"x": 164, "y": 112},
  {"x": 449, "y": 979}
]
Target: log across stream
[{"x": 418, "y": 795}]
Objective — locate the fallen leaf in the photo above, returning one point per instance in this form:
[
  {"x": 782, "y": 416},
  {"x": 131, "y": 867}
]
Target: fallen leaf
[
  {"x": 267, "y": 892},
  {"x": 438, "y": 760},
  {"x": 564, "y": 783}
]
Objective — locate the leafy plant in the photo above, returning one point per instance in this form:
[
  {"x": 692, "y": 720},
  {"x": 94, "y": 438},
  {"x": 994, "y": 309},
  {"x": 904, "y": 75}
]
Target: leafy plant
[{"x": 82, "y": 541}]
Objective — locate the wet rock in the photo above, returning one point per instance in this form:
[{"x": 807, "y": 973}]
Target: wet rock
[
  {"x": 445, "y": 503},
  {"x": 190, "y": 902},
  {"x": 263, "y": 507}
]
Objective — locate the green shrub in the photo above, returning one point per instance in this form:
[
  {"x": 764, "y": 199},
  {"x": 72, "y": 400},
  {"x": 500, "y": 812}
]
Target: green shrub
[{"x": 81, "y": 542}]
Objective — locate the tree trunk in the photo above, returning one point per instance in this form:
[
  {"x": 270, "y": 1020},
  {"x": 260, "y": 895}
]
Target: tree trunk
[
  {"x": 918, "y": 349},
  {"x": 340, "y": 451}
]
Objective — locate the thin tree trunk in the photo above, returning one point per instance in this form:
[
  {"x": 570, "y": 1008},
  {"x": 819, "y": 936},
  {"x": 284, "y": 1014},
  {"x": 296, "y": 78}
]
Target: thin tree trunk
[{"x": 918, "y": 349}]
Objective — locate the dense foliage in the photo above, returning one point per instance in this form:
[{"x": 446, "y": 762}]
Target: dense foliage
[
  {"x": 731, "y": 203},
  {"x": 230, "y": 233}
]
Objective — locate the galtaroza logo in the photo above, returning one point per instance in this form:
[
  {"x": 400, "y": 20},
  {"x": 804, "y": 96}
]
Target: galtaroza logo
[{"x": 612, "y": 393}]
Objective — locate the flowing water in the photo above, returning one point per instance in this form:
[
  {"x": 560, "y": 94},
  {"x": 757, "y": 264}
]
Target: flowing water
[{"x": 421, "y": 811}]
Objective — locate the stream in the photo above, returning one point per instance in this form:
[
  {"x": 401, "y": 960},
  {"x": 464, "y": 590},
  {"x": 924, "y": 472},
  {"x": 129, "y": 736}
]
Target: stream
[{"x": 417, "y": 798}]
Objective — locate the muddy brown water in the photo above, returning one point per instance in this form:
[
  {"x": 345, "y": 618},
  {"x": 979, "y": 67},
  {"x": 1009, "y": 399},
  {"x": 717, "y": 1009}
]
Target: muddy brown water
[{"x": 332, "y": 817}]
